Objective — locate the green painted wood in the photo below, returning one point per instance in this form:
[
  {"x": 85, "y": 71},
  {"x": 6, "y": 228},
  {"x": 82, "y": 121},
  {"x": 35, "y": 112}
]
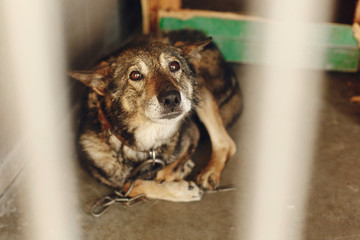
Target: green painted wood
[{"x": 240, "y": 39}]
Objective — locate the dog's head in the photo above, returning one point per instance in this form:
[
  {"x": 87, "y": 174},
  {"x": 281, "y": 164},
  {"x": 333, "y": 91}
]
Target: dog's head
[{"x": 155, "y": 82}]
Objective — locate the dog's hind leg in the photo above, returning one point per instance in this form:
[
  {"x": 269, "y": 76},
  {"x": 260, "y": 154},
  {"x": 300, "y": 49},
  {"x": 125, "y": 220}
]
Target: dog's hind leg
[
  {"x": 176, "y": 191},
  {"x": 223, "y": 147}
]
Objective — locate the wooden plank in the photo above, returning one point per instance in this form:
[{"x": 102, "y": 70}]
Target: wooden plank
[
  {"x": 239, "y": 37},
  {"x": 150, "y": 9}
]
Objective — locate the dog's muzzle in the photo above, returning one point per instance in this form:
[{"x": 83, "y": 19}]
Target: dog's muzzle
[{"x": 170, "y": 101}]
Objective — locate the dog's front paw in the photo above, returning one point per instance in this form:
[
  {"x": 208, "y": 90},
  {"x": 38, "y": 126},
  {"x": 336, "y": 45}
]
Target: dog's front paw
[
  {"x": 209, "y": 178},
  {"x": 176, "y": 191},
  {"x": 194, "y": 192},
  {"x": 183, "y": 191}
]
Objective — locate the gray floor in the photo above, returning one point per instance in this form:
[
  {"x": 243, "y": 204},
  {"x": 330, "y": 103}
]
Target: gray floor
[
  {"x": 334, "y": 205},
  {"x": 333, "y": 208}
]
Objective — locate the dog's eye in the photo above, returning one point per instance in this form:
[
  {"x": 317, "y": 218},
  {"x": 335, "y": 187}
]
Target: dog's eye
[
  {"x": 135, "y": 76},
  {"x": 174, "y": 66}
]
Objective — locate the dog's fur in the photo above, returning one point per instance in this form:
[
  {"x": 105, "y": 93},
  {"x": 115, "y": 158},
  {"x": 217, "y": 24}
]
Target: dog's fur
[{"x": 145, "y": 98}]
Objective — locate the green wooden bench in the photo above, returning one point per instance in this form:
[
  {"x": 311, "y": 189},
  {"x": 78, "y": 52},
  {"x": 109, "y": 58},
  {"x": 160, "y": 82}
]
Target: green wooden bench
[{"x": 237, "y": 36}]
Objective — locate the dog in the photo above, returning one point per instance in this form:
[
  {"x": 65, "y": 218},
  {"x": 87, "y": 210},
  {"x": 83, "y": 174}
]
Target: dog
[{"x": 143, "y": 103}]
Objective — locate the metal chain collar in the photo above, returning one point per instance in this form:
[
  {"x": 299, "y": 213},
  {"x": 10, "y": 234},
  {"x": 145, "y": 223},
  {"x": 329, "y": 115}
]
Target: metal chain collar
[{"x": 103, "y": 204}]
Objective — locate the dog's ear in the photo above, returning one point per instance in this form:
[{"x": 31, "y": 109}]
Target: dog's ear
[
  {"x": 192, "y": 49},
  {"x": 91, "y": 79},
  {"x": 97, "y": 79}
]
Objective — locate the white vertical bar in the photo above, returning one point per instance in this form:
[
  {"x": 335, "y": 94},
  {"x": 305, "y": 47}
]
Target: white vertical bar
[
  {"x": 284, "y": 114},
  {"x": 34, "y": 37}
]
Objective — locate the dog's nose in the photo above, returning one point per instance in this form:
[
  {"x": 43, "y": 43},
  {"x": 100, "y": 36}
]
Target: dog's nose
[{"x": 170, "y": 99}]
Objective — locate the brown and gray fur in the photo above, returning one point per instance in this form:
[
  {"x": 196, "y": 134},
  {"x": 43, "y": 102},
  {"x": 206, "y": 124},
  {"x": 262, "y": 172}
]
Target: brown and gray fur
[{"x": 157, "y": 111}]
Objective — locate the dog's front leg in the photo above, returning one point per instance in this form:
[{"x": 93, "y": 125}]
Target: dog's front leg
[
  {"x": 169, "y": 184},
  {"x": 223, "y": 147},
  {"x": 176, "y": 191},
  {"x": 179, "y": 169}
]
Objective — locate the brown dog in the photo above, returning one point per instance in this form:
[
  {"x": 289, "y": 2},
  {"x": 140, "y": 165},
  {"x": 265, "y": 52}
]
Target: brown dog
[{"x": 141, "y": 105}]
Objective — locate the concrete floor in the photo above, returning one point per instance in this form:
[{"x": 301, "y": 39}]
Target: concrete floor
[
  {"x": 334, "y": 204},
  {"x": 333, "y": 211}
]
